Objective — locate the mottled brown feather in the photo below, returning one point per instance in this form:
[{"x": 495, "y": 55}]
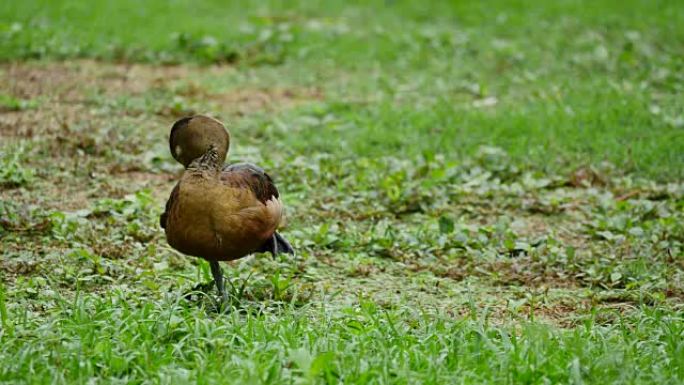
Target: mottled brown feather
[
  {"x": 247, "y": 175},
  {"x": 222, "y": 215}
]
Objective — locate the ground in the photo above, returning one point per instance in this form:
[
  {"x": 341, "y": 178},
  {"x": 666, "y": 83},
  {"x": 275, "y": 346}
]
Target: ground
[{"x": 477, "y": 194}]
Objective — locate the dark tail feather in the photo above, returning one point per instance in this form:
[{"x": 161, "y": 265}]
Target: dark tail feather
[
  {"x": 277, "y": 245},
  {"x": 283, "y": 245}
]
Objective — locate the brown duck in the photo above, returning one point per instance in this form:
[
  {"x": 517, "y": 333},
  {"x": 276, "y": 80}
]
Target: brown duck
[{"x": 219, "y": 213}]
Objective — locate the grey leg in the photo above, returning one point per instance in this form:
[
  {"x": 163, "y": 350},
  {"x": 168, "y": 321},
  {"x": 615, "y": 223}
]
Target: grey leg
[{"x": 218, "y": 279}]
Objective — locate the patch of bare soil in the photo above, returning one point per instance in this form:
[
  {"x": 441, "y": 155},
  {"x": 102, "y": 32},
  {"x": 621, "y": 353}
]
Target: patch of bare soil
[
  {"x": 65, "y": 93},
  {"x": 249, "y": 100},
  {"x": 246, "y": 101},
  {"x": 66, "y": 81}
]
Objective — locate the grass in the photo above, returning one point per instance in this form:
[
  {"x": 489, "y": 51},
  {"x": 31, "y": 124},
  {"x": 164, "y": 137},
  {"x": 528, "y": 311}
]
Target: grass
[
  {"x": 364, "y": 344},
  {"x": 569, "y": 81},
  {"x": 479, "y": 193}
]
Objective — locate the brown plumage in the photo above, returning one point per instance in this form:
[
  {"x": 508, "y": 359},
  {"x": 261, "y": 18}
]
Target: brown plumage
[
  {"x": 221, "y": 213},
  {"x": 220, "y": 216}
]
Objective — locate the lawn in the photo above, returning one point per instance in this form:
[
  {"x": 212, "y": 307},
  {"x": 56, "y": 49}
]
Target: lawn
[{"x": 479, "y": 192}]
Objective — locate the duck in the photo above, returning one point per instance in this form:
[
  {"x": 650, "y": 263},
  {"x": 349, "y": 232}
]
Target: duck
[{"x": 219, "y": 212}]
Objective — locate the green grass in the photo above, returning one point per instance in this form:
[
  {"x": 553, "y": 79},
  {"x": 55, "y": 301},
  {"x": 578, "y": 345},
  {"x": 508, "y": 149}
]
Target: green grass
[
  {"x": 573, "y": 81},
  {"x": 176, "y": 344},
  {"x": 478, "y": 192}
]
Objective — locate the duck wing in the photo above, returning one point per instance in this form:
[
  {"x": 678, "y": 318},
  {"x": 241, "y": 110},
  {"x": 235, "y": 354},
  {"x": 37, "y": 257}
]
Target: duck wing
[
  {"x": 255, "y": 179},
  {"x": 252, "y": 177}
]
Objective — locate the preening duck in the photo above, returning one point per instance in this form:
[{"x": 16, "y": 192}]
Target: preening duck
[{"x": 217, "y": 212}]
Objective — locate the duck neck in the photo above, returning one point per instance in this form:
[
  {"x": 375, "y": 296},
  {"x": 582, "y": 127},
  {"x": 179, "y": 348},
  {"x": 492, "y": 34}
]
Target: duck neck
[{"x": 208, "y": 162}]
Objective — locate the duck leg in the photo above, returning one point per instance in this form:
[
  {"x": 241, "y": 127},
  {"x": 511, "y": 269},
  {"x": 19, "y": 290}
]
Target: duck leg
[{"x": 218, "y": 279}]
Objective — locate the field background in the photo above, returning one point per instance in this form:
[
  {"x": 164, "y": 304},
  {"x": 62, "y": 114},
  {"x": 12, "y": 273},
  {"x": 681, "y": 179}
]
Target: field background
[{"x": 479, "y": 192}]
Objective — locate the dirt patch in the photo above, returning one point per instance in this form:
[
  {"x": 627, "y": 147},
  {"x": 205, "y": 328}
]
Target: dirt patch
[
  {"x": 567, "y": 312},
  {"x": 507, "y": 274},
  {"x": 62, "y": 94},
  {"x": 66, "y": 81},
  {"x": 70, "y": 93},
  {"x": 50, "y": 118},
  {"x": 247, "y": 101},
  {"x": 531, "y": 226}
]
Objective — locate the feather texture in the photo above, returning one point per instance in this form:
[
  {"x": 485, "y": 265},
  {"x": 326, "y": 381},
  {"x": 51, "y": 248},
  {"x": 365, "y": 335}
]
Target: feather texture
[{"x": 223, "y": 215}]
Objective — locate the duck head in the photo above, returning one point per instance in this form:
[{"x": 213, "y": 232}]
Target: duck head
[{"x": 193, "y": 136}]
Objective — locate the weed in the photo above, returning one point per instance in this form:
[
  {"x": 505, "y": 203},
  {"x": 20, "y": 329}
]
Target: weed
[{"x": 477, "y": 193}]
